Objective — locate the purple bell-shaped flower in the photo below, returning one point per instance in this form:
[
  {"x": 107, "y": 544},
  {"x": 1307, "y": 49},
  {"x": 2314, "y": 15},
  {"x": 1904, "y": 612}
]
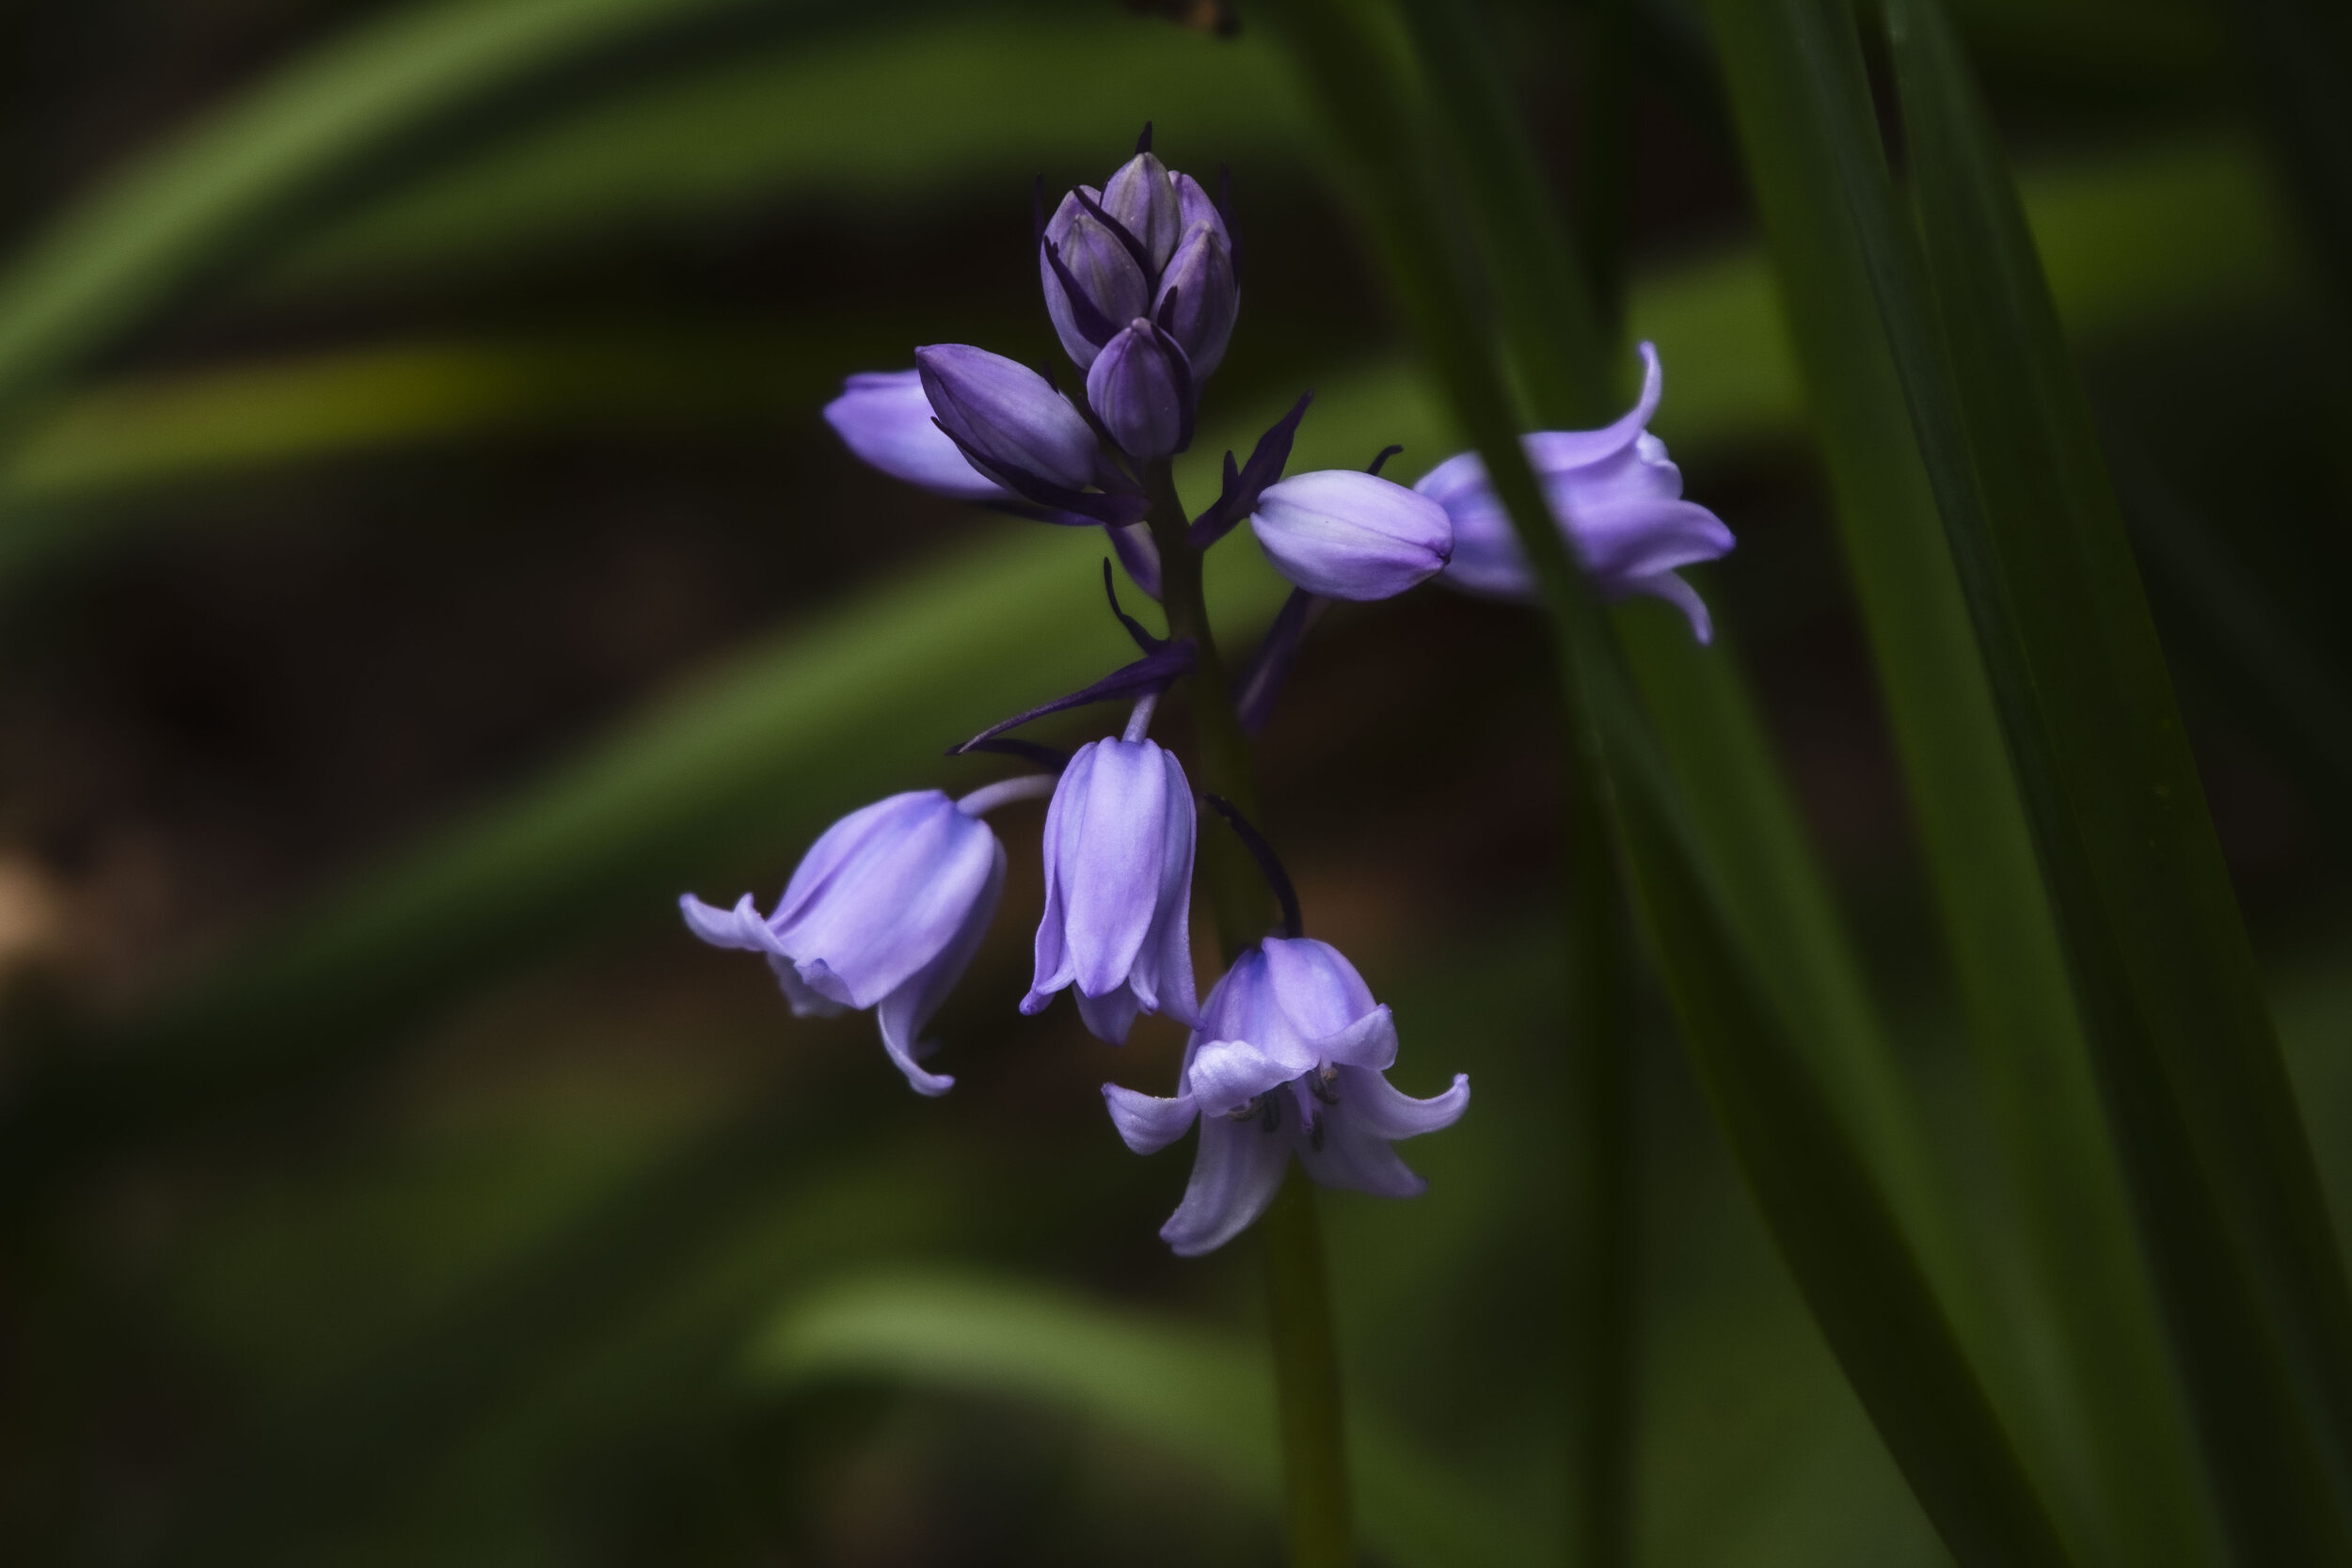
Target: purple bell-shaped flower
[
  {"x": 1351, "y": 535},
  {"x": 1119, "y": 845},
  {"x": 884, "y": 911},
  {"x": 1615, "y": 496},
  {"x": 1290, "y": 1057}
]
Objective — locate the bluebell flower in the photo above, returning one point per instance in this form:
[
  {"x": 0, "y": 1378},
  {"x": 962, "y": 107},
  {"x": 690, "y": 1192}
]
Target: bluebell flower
[
  {"x": 1345, "y": 534},
  {"x": 1618, "y": 500},
  {"x": 884, "y": 911},
  {"x": 1119, "y": 846},
  {"x": 1007, "y": 418},
  {"x": 1106, "y": 279},
  {"x": 1290, "y": 1057}
]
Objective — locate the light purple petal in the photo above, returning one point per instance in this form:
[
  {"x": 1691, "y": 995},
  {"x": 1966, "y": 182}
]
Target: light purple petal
[
  {"x": 1615, "y": 544},
  {"x": 1110, "y": 1016},
  {"x": 1008, "y": 414},
  {"x": 1385, "y": 1111},
  {"x": 741, "y": 927},
  {"x": 1346, "y": 1154},
  {"x": 806, "y": 1000},
  {"x": 905, "y": 1012},
  {"x": 1553, "y": 450},
  {"x": 1346, "y": 534},
  {"x": 1321, "y": 992},
  {"x": 1147, "y": 1123},
  {"x": 1225, "y": 1075},
  {"x": 1369, "y": 1042},
  {"x": 1162, "y": 976},
  {"x": 1110, "y": 854},
  {"x": 1244, "y": 1005},
  {"x": 885, "y": 418},
  {"x": 890, "y": 902},
  {"x": 1234, "y": 1176},
  {"x": 1680, "y": 595}
]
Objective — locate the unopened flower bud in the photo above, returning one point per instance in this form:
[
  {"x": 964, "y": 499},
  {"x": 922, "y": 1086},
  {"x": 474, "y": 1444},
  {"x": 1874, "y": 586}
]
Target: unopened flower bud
[
  {"x": 1007, "y": 416},
  {"x": 1143, "y": 198},
  {"x": 1111, "y": 288},
  {"x": 1199, "y": 299},
  {"x": 1194, "y": 206},
  {"x": 1350, "y": 535},
  {"x": 884, "y": 417},
  {"x": 1141, "y": 389}
]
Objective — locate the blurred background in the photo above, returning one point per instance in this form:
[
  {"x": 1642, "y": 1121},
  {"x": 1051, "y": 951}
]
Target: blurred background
[{"x": 422, "y": 558}]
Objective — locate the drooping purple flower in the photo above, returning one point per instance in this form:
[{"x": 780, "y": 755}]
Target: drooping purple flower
[
  {"x": 1110, "y": 285},
  {"x": 884, "y": 911},
  {"x": 1197, "y": 298},
  {"x": 1140, "y": 388},
  {"x": 1350, "y": 535},
  {"x": 1617, "y": 499},
  {"x": 1007, "y": 418},
  {"x": 885, "y": 418},
  {"x": 1119, "y": 844},
  {"x": 1290, "y": 1056}
]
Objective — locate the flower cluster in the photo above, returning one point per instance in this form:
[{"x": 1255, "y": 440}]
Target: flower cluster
[{"x": 1288, "y": 1055}]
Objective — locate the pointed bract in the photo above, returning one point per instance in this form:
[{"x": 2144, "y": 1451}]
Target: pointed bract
[
  {"x": 1346, "y": 534},
  {"x": 1288, "y": 1057},
  {"x": 883, "y": 912}
]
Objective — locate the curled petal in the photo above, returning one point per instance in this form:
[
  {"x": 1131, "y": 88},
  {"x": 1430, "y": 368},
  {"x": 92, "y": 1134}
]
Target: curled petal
[
  {"x": 1147, "y": 1123},
  {"x": 1387, "y": 1111},
  {"x": 905, "y": 1012},
  {"x": 1226, "y": 1075},
  {"x": 1552, "y": 450},
  {"x": 885, "y": 418},
  {"x": 1234, "y": 1176},
  {"x": 1680, "y": 595},
  {"x": 1346, "y": 534},
  {"x": 743, "y": 927},
  {"x": 1369, "y": 1042}
]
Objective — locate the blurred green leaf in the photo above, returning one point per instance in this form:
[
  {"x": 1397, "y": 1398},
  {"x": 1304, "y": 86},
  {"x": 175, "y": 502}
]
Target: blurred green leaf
[
  {"x": 2229, "y": 1194},
  {"x": 878, "y": 120},
  {"x": 191, "y": 204},
  {"x": 1195, "y": 1395},
  {"x": 1827, "y": 1213},
  {"x": 1801, "y": 111}
]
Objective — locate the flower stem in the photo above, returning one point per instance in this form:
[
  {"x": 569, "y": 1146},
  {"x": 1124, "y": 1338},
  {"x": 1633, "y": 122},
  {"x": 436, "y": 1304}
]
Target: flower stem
[
  {"x": 1604, "y": 1195},
  {"x": 1299, "y": 1297}
]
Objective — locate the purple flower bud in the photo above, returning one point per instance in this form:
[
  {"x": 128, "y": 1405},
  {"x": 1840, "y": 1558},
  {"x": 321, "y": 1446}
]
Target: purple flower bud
[
  {"x": 1119, "y": 841},
  {"x": 884, "y": 911},
  {"x": 1290, "y": 1056},
  {"x": 1615, "y": 496},
  {"x": 1141, "y": 389},
  {"x": 1199, "y": 299},
  {"x": 1009, "y": 418},
  {"x": 1143, "y": 198},
  {"x": 884, "y": 417},
  {"x": 1111, "y": 286},
  {"x": 1350, "y": 535},
  {"x": 1194, "y": 206}
]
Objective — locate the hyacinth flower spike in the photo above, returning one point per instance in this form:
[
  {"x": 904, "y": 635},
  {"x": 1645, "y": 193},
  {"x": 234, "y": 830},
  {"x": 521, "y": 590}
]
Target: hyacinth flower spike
[
  {"x": 884, "y": 911},
  {"x": 1616, "y": 498},
  {"x": 1290, "y": 1057},
  {"x": 1119, "y": 848}
]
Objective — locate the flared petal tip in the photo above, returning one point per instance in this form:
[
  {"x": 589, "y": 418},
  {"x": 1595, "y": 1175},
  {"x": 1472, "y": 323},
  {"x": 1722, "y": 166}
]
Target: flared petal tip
[{"x": 1146, "y": 1123}]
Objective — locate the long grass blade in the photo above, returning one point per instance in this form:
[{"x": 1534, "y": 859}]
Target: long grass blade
[{"x": 1832, "y": 1224}]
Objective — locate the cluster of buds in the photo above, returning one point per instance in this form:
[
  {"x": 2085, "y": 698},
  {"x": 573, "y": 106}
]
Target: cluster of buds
[{"x": 1287, "y": 1055}]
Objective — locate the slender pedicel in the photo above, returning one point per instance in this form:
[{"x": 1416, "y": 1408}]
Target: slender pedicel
[
  {"x": 1139, "y": 720},
  {"x": 1027, "y": 787}
]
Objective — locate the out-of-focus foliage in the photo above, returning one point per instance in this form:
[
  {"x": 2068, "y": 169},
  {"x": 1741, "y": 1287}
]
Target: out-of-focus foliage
[{"x": 421, "y": 560}]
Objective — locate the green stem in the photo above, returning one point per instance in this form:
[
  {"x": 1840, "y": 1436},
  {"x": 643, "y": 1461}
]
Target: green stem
[
  {"x": 1604, "y": 1195},
  {"x": 1298, "y": 1299}
]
